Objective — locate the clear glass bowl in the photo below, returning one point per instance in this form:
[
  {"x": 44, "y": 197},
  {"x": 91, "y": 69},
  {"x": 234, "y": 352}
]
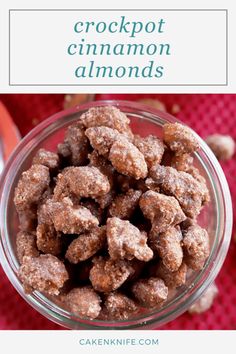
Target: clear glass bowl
[{"x": 216, "y": 217}]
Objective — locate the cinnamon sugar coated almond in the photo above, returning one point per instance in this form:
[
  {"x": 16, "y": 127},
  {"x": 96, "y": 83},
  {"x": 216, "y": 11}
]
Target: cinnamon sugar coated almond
[
  {"x": 107, "y": 275},
  {"x": 125, "y": 241},
  {"x": 205, "y": 302},
  {"x": 150, "y": 292},
  {"x": 127, "y": 159},
  {"x": 108, "y": 222},
  {"x": 86, "y": 245},
  {"x": 223, "y": 146},
  {"x": 119, "y": 306},
  {"x": 26, "y": 245},
  {"x": 45, "y": 273},
  {"x": 84, "y": 302}
]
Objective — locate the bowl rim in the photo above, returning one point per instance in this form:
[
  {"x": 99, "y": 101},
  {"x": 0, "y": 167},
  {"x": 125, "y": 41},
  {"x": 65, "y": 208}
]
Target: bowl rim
[{"x": 65, "y": 318}]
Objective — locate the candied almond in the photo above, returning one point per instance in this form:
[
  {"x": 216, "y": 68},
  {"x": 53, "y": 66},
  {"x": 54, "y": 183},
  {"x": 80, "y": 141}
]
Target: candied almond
[
  {"x": 127, "y": 159},
  {"x": 107, "y": 275},
  {"x": 223, "y": 146},
  {"x": 44, "y": 273},
  {"x": 151, "y": 147},
  {"x": 163, "y": 211},
  {"x": 71, "y": 219},
  {"x": 47, "y": 158},
  {"x": 83, "y": 181},
  {"x": 206, "y": 300},
  {"x": 190, "y": 193},
  {"x": 172, "y": 279},
  {"x": 168, "y": 246},
  {"x": 77, "y": 142},
  {"x": 45, "y": 212},
  {"x": 150, "y": 292},
  {"x": 119, "y": 306},
  {"x": 124, "y": 205},
  {"x": 26, "y": 245},
  {"x": 48, "y": 239},
  {"x": 193, "y": 171},
  {"x": 102, "y": 138},
  {"x": 125, "y": 241},
  {"x": 182, "y": 162},
  {"x": 180, "y": 138},
  {"x": 196, "y": 247},
  {"x": 86, "y": 245},
  {"x": 108, "y": 116},
  {"x": 31, "y": 186},
  {"x": 83, "y": 301}
]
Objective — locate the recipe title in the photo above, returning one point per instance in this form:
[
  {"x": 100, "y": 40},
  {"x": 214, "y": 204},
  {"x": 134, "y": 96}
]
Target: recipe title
[{"x": 122, "y": 41}]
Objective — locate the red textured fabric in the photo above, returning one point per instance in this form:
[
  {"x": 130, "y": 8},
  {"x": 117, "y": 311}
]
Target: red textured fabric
[{"x": 206, "y": 114}]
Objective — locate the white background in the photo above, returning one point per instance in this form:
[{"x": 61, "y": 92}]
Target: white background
[
  {"x": 39, "y": 41},
  {"x": 59, "y": 66},
  {"x": 170, "y": 342}
]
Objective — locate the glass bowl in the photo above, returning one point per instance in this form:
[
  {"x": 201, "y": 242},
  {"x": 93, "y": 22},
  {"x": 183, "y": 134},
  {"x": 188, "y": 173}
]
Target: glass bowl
[{"x": 215, "y": 217}]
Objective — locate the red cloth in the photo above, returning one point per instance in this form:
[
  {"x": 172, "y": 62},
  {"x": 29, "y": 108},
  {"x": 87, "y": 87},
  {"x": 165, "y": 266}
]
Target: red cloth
[{"x": 206, "y": 114}]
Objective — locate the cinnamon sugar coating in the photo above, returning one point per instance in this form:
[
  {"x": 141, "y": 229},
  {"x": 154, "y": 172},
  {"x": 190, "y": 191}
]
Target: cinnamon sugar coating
[
  {"x": 77, "y": 143},
  {"x": 196, "y": 247},
  {"x": 151, "y": 147},
  {"x": 190, "y": 193},
  {"x": 84, "y": 302},
  {"x": 45, "y": 212},
  {"x": 102, "y": 138},
  {"x": 168, "y": 244},
  {"x": 86, "y": 245},
  {"x": 31, "y": 186},
  {"x": 172, "y": 279},
  {"x": 125, "y": 241},
  {"x": 152, "y": 185},
  {"x": 163, "y": 211},
  {"x": 182, "y": 162},
  {"x": 108, "y": 116},
  {"x": 46, "y": 158},
  {"x": 72, "y": 220},
  {"x": 179, "y": 138},
  {"x": 48, "y": 239},
  {"x": 193, "y": 171},
  {"x": 150, "y": 292},
  {"x": 223, "y": 146},
  {"x": 26, "y": 245},
  {"x": 127, "y": 159},
  {"x": 120, "y": 306},
  {"x": 205, "y": 302},
  {"x": 84, "y": 181},
  {"x": 107, "y": 275},
  {"x": 124, "y": 205},
  {"x": 45, "y": 273}
]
